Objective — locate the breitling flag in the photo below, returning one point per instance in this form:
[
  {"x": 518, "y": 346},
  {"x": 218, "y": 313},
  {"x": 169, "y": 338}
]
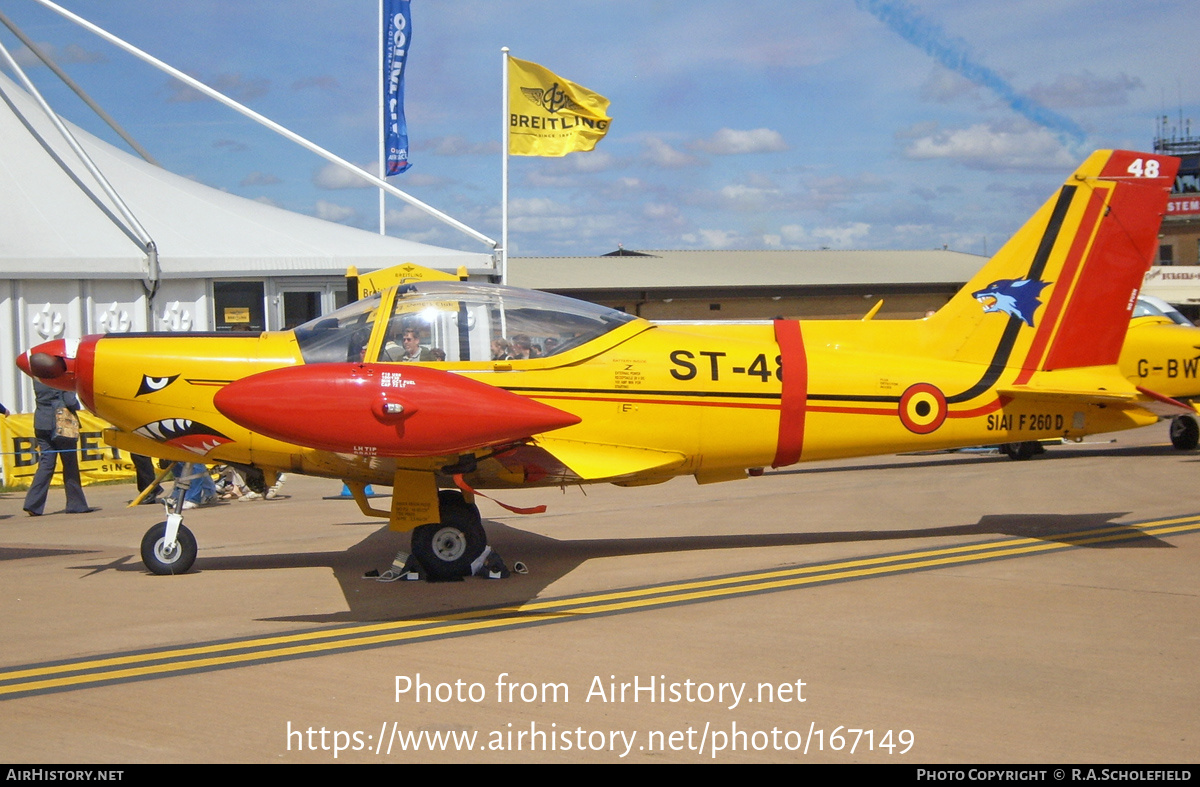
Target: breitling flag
[{"x": 549, "y": 115}]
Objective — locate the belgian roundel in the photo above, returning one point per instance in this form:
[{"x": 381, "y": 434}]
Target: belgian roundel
[{"x": 922, "y": 408}]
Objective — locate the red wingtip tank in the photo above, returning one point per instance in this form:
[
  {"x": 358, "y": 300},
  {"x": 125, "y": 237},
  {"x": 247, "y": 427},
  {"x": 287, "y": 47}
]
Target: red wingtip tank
[{"x": 383, "y": 410}]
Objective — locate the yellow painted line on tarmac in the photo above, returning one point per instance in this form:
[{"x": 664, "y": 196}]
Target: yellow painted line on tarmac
[{"x": 122, "y": 667}]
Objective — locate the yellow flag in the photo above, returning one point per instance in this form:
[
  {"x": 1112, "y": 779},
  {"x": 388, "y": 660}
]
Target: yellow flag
[{"x": 550, "y": 116}]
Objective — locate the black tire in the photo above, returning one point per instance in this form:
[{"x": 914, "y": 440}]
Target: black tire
[
  {"x": 163, "y": 561},
  {"x": 1185, "y": 433},
  {"x": 447, "y": 549},
  {"x": 1022, "y": 451}
]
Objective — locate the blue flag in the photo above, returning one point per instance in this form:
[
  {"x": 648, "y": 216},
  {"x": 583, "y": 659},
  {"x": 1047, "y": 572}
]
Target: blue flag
[{"x": 397, "y": 33}]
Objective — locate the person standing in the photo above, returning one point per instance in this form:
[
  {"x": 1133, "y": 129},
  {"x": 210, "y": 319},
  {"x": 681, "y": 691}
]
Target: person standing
[
  {"x": 54, "y": 447},
  {"x": 143, "y": 467}
]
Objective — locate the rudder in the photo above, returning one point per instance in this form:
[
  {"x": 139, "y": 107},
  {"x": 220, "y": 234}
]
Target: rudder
[{"x": 1060, "y": 293}]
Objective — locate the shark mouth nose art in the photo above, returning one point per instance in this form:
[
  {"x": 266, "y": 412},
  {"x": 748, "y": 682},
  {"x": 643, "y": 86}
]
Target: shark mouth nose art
[{"x": 183, "y": 433}]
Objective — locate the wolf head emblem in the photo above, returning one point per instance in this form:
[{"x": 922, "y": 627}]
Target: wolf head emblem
[{"x": 1018, "y": 297}]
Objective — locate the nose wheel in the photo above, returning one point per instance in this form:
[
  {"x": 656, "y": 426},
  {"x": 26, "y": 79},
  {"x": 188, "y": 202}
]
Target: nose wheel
[{"x": 169, "y": 547}]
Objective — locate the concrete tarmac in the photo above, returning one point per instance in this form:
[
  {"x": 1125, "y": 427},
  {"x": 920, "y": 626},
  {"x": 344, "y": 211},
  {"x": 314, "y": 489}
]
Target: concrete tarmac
[{"x": 944, "y": 608}]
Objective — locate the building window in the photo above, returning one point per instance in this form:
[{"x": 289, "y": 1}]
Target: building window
[
  {"x": 238, "y": 306},
  {"x": 1166, "y": 254}
]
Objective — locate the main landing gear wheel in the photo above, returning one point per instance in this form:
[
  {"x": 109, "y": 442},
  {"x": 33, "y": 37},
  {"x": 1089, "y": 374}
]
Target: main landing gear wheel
[
  {"x": 1025, "y": 450},
  {"x": 1185, "y": 432},
  {"x": 447, "y": 549},
  {"x": 163, "y": 558}
]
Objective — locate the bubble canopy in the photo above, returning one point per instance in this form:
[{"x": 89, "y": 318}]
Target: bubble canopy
[{"x": 456, "y": 322}]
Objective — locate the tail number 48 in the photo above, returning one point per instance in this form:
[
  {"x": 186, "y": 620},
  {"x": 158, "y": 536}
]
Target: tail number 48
[{"x": 1144, "y": 169}]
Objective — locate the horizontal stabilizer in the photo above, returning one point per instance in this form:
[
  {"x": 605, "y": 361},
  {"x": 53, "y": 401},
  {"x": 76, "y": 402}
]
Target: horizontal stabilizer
[
  {"x": 1082, "y": 396},
  {"x": 1165, "y": 406},
  {"x": 593, "y": 461},
  {"x": 1143, "y": 399}
]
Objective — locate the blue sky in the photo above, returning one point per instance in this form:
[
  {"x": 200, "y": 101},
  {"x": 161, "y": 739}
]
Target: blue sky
[{"x": 748, "y": 125}]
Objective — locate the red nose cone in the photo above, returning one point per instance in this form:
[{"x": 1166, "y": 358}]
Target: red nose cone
[
  {"x": 383, "y": 409},
  {"x": 63, "y": 364},
  {"x": 23, "y": 363},
  {"x": 52, "y": 362}
]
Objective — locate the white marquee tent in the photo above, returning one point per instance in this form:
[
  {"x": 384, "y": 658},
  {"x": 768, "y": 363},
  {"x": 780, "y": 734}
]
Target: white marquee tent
[{"x": 69, "y": 269}]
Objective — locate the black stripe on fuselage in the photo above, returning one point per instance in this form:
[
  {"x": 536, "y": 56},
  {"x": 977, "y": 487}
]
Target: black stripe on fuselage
[
  {"x": 530, "y": 391},
  {"x": 701, "y": 394}
]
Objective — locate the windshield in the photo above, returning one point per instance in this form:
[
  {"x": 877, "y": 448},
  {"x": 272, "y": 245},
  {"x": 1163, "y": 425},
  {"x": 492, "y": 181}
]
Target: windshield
[
  {"x": 340, "y": 336},
  {"x": 458, "y": 321},
  {"x": 1149, "y": 306}
]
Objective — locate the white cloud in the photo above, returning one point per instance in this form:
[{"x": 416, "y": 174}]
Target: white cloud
[
  {"x": 71, "y": 53},
  {"x": 844, "y": 237},
  {"x": 711, "y": 238},
  {"x": 738, "y": 196},
  {"x": 537, "y": 206},
  {"x": 407, "y": 216},
  {"x": 333, "y": 212},
  {"x": 661, "y": 212},
  {"x": 730, "y": 142},
  {"x": 419, "y": 179},
  {"x": 414, "y": 224},
  {"x": 656, "y": 152},
  {"x": 1085, "y": 89},
  {"x": 454, "y": 145},
  {"x": 332, "y": 176},
  {"x": 944, "y": 86},
  {"x": 260, "y": 179},
  {"x": 591, "y": 161},
  {"x": 323, "y": 82},
  {"x": 233, "y": 85},
  {"x": 231, "y": 145},
  {"x": 991, "y": 148}
]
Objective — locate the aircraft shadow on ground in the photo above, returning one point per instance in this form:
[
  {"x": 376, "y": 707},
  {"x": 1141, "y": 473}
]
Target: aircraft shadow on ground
[
  {"x": 21, "y": 553},
  {"x": 550, "y": 559}
]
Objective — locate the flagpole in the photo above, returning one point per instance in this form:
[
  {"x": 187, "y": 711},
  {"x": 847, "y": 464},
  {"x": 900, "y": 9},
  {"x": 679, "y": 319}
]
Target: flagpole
[
  {"x": 382, "y": 120},
  {"x": 504, "y": 168}
]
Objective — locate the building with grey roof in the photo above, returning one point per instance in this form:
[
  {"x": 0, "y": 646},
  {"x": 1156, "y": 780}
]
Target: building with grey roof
[{"x": 668, "y": 285}]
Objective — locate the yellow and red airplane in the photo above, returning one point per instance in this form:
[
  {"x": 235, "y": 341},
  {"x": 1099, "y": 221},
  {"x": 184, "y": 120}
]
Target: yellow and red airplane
[
  {"x": 1027, "y": 350},
  {"x": 1161, "y": 353}
]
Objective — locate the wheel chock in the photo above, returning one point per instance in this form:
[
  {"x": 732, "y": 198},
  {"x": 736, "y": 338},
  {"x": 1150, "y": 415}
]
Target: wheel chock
[{"x": 490, "y": 565}]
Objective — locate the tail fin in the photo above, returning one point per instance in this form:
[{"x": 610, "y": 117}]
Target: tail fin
[{"x": 1061, "y": 292}]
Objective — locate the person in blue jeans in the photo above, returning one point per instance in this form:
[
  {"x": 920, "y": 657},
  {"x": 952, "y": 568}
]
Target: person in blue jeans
[
  {"x": 201, "y": 490},
  {"x": 54, "y": 449}
]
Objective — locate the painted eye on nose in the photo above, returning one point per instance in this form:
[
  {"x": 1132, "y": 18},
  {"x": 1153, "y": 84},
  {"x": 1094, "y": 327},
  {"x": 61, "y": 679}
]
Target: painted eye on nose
[{"x": 153, "y": 384}]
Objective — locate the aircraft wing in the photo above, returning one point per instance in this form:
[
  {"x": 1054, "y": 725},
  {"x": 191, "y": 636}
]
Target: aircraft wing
[{"x": 593, "y": 461}]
